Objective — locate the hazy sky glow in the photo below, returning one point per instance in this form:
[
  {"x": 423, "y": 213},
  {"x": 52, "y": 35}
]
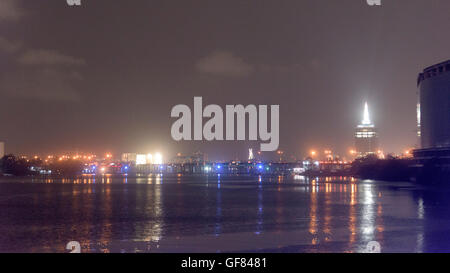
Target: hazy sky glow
[{"x": 104, "y": 76}]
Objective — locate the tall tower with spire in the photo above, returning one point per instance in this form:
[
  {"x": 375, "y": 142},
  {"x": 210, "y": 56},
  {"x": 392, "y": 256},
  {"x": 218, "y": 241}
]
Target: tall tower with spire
[
  {"x": 366, "y": 136},
  {"x": 366, "y": 119}
]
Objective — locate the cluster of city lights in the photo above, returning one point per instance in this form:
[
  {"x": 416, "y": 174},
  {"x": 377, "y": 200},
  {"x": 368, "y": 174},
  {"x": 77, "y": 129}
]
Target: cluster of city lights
[
  {"x": 107, "y": 163},
  {"x": 328, "y": 154},
  {"x": 143, "y": 159},
  {"x": 75, "y": 157}
]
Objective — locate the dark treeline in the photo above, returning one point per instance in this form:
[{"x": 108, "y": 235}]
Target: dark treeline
[
  {"x": 390, "y": 169},
  {"x": 12, "y": 165}
]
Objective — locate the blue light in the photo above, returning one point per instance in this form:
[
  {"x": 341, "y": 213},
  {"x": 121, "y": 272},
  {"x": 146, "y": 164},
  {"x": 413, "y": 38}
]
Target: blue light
[
  {"x": 219, "y": 167},
  {"x": 260, "y": 166}
]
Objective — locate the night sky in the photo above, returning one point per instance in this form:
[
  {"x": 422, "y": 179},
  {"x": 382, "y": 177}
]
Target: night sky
[{"x": 104, "y": 76}]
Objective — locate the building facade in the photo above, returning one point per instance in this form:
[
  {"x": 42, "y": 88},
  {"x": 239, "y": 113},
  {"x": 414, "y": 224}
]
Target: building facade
[
  {"x": 129, "y": 157},
  {"x": 434, "y": 95},
  {"x": 433, "y": 158},
  {"x": 366, "y": 135}
]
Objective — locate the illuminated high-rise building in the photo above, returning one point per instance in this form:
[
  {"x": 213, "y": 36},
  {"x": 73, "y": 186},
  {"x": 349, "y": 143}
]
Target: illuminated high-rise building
[
  {"x": 433, "y": 158},
  {"x": 366, "y": 136},
  {"x": 434, "y": 115}
]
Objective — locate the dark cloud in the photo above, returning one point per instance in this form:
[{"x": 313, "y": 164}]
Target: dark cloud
[
  {"x": 48, "y": 57},
  {"x": 43, "y": 75},
  {"x": 9, "y": 10},
  {"x": 39, "y": 74},
  {"x": 224, "y": 63}
]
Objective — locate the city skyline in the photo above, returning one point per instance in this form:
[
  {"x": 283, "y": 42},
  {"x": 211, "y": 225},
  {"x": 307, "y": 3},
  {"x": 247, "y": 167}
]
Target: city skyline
[
  {"x": 218, "y": 133},
  {"x": 92, "y": 89},
  {"x": 349, "y": 154}
]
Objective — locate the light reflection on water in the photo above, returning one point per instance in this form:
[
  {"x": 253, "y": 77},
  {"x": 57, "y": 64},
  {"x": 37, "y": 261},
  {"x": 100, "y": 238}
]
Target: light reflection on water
[{"x": 218, "y": 213}]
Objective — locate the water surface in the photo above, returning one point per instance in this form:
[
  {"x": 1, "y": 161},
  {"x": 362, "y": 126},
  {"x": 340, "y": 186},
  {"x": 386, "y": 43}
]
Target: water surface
[{"x": 221, "y": 214}]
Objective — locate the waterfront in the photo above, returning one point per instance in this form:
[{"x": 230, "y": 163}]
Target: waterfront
[{"x": 221, "y": 214}]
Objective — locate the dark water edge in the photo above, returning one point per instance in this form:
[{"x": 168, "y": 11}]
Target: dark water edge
[{"x": 222, "y": 214}]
